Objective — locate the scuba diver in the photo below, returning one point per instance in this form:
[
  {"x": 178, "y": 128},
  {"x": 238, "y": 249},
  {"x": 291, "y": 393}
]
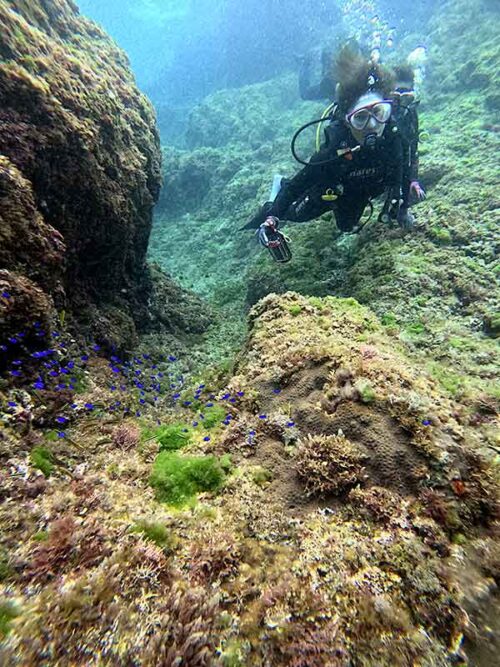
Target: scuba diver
[
  {"x": 360, "y": 158},
  {"x": 405, "y": 112},
  {"x": 325, "y": 89}
]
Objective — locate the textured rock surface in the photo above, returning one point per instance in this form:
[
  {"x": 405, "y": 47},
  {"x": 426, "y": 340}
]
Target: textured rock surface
[
  {"x": 79, "y": 164},
  {"x": 356, "y": 524}
]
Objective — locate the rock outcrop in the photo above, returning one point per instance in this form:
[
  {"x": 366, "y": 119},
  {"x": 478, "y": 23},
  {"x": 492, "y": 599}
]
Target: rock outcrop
[
  {"x": 79, "y": 171},
  {"x": 354, "y": 522}
]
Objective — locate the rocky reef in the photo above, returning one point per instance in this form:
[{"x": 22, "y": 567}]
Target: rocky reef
[
  {"x": 344, "y": 515},
  {"x": 79, "y": 175},
  {"x": 329, "y": 495}
]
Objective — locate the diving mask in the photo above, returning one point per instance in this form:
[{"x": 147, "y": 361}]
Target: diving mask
[{"x": 359, "y": 119}]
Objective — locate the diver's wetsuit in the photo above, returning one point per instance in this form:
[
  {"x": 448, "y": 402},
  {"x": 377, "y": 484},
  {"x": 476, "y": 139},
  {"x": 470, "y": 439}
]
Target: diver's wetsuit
[
  {"x": 364, "y": 174},
  {"x": 407, "y": 121}
]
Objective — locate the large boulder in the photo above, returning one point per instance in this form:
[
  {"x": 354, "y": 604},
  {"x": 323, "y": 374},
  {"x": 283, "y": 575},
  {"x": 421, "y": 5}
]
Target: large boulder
[{"x": 79, "y": 167}]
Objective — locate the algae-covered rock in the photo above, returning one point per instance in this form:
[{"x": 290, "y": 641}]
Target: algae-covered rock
[{"x": 79, "y": 164}]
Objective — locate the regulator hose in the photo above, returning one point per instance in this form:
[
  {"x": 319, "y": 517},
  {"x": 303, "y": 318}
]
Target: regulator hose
[{"x": 323, "y": 119}]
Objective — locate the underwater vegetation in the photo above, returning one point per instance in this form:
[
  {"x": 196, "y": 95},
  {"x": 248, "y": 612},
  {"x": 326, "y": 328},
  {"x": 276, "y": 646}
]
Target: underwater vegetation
[
  {"x": 327, "y": 495},
  {"x": 314, "y": 521}
]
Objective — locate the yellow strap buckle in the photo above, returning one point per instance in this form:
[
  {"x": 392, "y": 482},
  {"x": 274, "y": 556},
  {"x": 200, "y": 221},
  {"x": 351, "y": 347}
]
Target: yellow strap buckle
[{"x": 329, "y": 195}]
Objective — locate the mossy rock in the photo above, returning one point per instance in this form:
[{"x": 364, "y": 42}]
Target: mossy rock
[
  {"x": 43, "y": 459},
  {"x": 155, "y": 532},
  {"x": 177, "y": 479},
  {"x": 170, "y": 436},
  {"x": 8, "y": 612}
]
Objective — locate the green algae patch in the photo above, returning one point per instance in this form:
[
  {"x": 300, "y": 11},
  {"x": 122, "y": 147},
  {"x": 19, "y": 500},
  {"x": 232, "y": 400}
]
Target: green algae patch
[
  {"x": 8, "y": 612},
  {"x": 5, "y": 569},
  {"x": 213, "y": 416},
  {"x": 43, "y": 459},
  {"x": 295, "y": 309},
  {"x": 366, "y": 391},
  {"x": 177, "y": 479},
  {"x": 154, "y": 532},
  {"x": 170, "y": 436}
]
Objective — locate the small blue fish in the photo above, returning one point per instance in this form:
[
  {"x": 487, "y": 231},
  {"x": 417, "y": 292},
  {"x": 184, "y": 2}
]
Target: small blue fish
[
  {"x": 16, "y": 374},
  {"x": 89, "y": 406},
  {"x": 96, "y": 348},
  {"x": 210, "y": 405},
  {"x": 61, "y": 434},
  {"x": 84, "y": 357},
  {"x": 39, "y": 385},
  {"x": 61, "y": 420},
  {"x": 276, "y": 391},
  {"x": 262, "y": 416},
  {"x": 6, "y": 295},
  {"x": 241, "y": 393},
  {"x": 290, "y": 424},
  {"x": 172, "y": 358},
  {"x": 12, "y": 404},
  {"x": 206, "y": 438}
]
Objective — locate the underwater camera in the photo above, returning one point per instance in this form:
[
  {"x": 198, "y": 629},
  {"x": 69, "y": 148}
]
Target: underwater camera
[
  {"x": 278, "y": 246},
  {"x": 276, "y": 242}
]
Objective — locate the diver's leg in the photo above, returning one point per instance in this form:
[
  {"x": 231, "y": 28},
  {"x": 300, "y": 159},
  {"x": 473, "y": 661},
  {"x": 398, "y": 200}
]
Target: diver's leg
[
  {"x": 308, "y": 207},
  {"x": 348, "y": 211}
]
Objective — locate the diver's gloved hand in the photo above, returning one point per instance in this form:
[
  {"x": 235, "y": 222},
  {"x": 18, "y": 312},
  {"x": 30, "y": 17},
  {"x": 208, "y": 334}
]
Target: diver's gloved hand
[
  {"x": 417, "y": 191},
  {"x": 269, "y": 226},
  {"x": 406, "y": 220},
  {"x": 258, "y": 218}
]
